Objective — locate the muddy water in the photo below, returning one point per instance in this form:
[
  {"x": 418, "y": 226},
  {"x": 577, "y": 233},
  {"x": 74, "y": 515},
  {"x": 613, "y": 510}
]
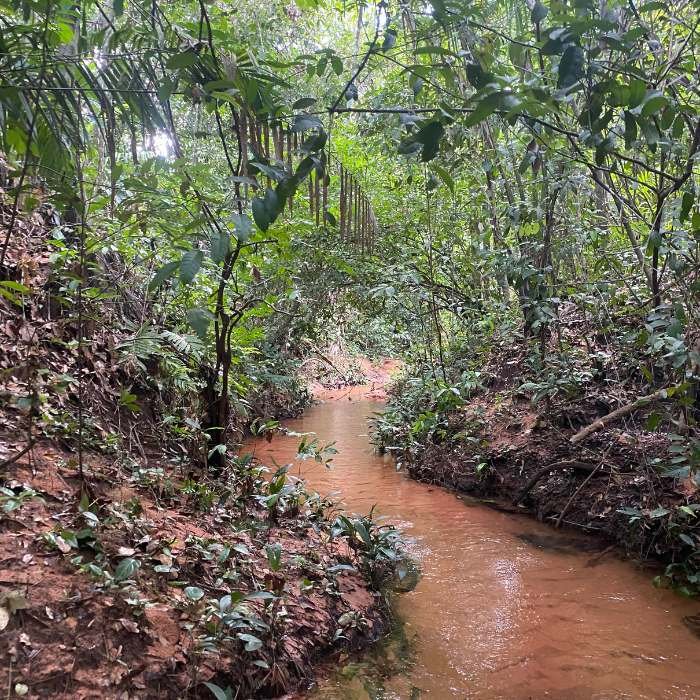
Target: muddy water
[{"x": 496, "y": 614}]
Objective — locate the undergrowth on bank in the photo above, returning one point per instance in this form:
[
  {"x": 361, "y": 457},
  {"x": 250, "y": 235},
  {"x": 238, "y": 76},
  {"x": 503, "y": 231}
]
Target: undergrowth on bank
[{"x": 208, "y": 208}]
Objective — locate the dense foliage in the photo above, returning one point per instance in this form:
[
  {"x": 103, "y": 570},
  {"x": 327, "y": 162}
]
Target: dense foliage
[{"x": 502, "y": 193}]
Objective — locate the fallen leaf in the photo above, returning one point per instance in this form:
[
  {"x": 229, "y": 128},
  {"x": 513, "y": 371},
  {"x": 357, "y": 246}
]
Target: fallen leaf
[
  {"x": 62, "y": 544},
  {"x": 4, "y": 618},
  {"x": 129, "y": 625}
]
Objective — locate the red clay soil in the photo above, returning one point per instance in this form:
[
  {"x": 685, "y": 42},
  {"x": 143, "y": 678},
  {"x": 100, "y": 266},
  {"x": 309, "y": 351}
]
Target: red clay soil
[
  {"x": 519, "y": 456},
  {"x": 74, "y": 633}
]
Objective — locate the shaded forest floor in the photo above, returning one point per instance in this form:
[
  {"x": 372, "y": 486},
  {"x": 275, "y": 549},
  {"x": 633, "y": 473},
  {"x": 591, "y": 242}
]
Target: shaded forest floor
[
  {"x": 125, "y": 591},
  {"x": 145, "y": 576}
]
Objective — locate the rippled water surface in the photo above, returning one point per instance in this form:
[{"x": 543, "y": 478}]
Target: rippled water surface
[{"x": 496, "y": 614}]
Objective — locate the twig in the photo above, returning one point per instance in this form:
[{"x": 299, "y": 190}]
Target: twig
[
  {"x": 19, "y": 455},
  {"x": 359, "y": 68},
  {"x": 581, "y": 466},
  {"x": 642, "y": 401},
  {"x": 578, "y": 490}
]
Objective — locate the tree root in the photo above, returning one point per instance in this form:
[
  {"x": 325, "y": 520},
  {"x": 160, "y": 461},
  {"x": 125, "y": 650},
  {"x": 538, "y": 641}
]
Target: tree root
[{"x": 580, "y": 466}]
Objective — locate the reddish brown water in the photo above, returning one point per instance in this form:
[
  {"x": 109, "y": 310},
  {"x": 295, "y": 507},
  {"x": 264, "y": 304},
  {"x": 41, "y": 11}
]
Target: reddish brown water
[{"x": 494, "y": 616}]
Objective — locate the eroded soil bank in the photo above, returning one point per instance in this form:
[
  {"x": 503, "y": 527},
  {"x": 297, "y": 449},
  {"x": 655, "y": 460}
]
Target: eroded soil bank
[
  {"x": 148, "y": 582},
  {"x": 521, "y": 457},
  {"x": 505, "y": 607},
  {"x": 583, "y": 451}
]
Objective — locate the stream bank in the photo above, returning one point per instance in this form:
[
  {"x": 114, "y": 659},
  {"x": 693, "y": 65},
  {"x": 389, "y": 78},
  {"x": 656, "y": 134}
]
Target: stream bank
[
  {"x": 127, "y": 570},
  {"x": 521, "y": 458},
  {"x": 154, "y": 582},
  {"x": 506, "y": 607},
  {"x": 579, "y": 451}
]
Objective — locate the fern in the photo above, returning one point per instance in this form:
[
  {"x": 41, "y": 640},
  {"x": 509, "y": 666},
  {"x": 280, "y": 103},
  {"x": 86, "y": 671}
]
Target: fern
[
  {"x": 189, "y": 345},
  {"x": 143, "y": 345}
]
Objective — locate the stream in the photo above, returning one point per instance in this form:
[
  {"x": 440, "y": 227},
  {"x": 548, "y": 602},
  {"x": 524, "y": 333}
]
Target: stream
[{"x": 505, "y": 607}]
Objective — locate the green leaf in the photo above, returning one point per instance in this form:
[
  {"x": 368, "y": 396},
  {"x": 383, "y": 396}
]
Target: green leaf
[
  {"x": 477, "y": 76},
  {"x": 653, "y": 6},
  {"x": 651, "y": 133},
  {"x": 637, "y": 91},
  {"x": 118, "y": 7},
  {"x": 571, "y": 67},
  {"x": 336, "y": 64},
  {"x": 517, "y": 55},
  {"x": 362, "y": 531},
  {"x": 274, "y": 556},
  {"x": 252, "y": 643},
  {"x": 182, "y": 60},
  {"x": 199, "y": 320},
  {"x": 429, "y": 136},
  {"x": 445, "y": 177},
  {"x": 194, "y": 593},
  {"x": 126, "y": 569},
  {"x": 304, "y": 122},
  {"x": 686, "y": 205},
  {"x": 653, "y": 421},
  {"x": 485, "y": 107},
  {"x": 653, "y": 103},
  {"x": 260, "y": 215},
  {"x": 164, "y": 273},
  {"x": 220, "y": 245},
  {"x": 273, "y": 204},
  {"x": 630, "y": 129},
  {"x": 678, "y": 127},
  {"x": 190, "y": 264},
  {"x": 304, "y": 102},
  {"x": 243, "y": 227},
  {"x": 218, "y": 692},
  {"x": 15, "y": 286},
  {"x": 539, "y": 12},
  {"x": 667, "y": 118}
]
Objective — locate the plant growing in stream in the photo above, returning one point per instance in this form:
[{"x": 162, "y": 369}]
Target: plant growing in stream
[{"x": 379, "y": 546}]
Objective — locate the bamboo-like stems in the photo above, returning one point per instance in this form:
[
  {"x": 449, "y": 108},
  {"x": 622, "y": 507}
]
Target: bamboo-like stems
[
  {"x": 324, "y": 192},
  {"x": 243, "y": 122},
  {"x": 317, "y": 196},
  {"x": 290, "y": 167},
  {"x": 341, "y": 223}
]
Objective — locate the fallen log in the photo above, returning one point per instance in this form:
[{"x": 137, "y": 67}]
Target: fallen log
[{"x": 625, "y": 410}]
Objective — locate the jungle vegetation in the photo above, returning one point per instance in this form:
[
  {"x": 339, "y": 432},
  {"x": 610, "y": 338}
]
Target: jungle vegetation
[{"x": 196, "y": 197}]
